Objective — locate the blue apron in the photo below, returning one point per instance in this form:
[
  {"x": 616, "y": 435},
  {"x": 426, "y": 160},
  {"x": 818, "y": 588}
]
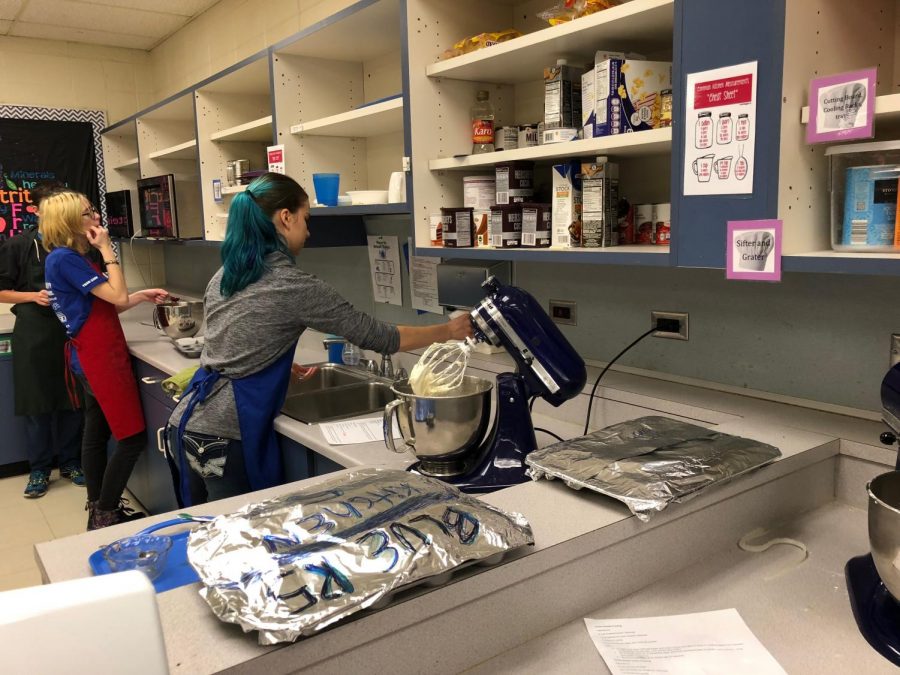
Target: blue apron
[{"x": 258, "y": 399}]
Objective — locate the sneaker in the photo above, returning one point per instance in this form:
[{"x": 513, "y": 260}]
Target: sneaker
[
  {"x": 38, "y": 484},
  {"x": 126, "y": 513},
  {"x": 99, "y": 519},
  {"x": 74, "y": 474}
]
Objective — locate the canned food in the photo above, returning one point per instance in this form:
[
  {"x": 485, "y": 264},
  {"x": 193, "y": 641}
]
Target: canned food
[
  {"x": 644, "y": 220},
  {"x": 662, "y": 224},
  {"x": 506, "y": 226},
  {"x": 665, "y": 108},
  {"x": 456, "y": 224},
  {"x": 479, "y": 192},
  {"x": 536, "y": 225},
  {"x": 506, "y": 138},
  {"x": 436, "y": 230}
]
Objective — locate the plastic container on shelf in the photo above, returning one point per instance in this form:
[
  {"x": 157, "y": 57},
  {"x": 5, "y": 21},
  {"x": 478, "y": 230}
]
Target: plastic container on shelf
[
  {"x": 863, "y": 181},
  {"x": 326, "y": 187}
]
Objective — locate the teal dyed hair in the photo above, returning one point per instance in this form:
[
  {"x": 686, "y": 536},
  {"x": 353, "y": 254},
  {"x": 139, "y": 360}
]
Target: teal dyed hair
[{"x": 251, "y": 235}]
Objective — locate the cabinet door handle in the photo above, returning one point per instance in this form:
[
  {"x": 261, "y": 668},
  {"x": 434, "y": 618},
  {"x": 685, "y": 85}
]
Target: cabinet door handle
[
  {"x": 151, "y": 380},
  {"x": 160, "y": 443}
]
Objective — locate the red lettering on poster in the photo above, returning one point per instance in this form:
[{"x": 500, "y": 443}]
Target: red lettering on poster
[{"x": 726, "y": 91}]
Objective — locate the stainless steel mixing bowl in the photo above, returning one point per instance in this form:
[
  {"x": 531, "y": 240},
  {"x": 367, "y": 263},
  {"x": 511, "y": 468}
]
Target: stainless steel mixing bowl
[
  {"x": 884, "y": 528},
  {"x": 179, "y": 319},
  {"x": 442, "y": 431}
]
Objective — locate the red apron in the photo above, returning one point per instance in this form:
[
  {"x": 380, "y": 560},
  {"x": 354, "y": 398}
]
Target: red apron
[{"x": 104, "y": 358}]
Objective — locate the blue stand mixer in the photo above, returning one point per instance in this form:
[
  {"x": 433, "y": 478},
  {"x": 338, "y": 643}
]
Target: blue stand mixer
[{"x": 447, "y": 433}]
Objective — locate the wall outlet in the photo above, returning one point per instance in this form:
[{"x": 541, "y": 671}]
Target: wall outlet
[
  {"x": 895, "y": 349},
  {"x": 680, "y": 317},
  {"x": 564, "y": 312}
]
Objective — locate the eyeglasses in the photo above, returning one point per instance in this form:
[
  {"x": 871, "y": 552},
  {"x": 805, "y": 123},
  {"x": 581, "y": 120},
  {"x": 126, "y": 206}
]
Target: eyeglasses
[{"x": 90, "y": 212}]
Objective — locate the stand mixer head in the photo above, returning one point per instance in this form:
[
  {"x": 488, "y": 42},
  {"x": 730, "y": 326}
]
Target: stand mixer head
[{"x": 445, "y": 432}]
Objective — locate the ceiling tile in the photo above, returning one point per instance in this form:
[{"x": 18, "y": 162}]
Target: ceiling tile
[
  {"x": 9, "y": 8},
  {"x": 80, "y": 15},
  {"x": 186, "y": 8},
  {"x": 97, "y": 37}
]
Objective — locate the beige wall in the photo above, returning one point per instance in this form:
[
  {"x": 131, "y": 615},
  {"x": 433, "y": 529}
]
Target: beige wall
[
  {"x": 228, "y": 32},
  {"x": 57, "y": 74}
]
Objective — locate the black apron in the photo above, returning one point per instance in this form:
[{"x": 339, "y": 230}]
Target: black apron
[{"x": 38, "y": 344}]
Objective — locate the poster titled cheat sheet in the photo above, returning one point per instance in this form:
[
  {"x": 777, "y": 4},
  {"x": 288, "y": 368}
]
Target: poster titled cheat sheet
[{"x": 720, "y": 131}]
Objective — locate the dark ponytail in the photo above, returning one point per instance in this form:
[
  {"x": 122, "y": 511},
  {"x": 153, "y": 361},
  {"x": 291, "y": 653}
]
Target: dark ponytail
[{"x": 251, "y": 235}]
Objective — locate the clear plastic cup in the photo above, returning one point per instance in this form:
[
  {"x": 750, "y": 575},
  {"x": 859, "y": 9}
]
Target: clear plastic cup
[
  {"x": 326, "y": 186},
  {"x": 351, "y": 355}
]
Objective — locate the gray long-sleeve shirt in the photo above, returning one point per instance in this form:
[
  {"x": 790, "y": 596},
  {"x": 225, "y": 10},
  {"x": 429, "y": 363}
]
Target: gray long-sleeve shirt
[{"x": 250, "y": 330}]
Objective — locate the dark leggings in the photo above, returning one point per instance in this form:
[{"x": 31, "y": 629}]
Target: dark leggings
[{"x": 105, "y": 478}]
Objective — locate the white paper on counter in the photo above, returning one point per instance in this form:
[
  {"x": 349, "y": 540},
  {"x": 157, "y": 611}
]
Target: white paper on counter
[
  {"x": 720, "y": 131},
  {"x": 706, "y": 642},
  {"x": 384, "y": 261},
  {"x": 423, "y": 281},
  {"x": 355, "y": 431}
]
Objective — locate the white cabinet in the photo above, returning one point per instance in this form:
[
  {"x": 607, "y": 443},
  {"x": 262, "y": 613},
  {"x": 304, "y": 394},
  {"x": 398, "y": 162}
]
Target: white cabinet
[
  {"x": 339, "y": 101},
  {"x": 167, "y": 143},
  {"x": 234, "y": 121},
  {"x": 120, "y": 155}
]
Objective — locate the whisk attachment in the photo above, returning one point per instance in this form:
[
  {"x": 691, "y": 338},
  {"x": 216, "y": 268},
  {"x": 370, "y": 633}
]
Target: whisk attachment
[{"x": 441, "y": 368}]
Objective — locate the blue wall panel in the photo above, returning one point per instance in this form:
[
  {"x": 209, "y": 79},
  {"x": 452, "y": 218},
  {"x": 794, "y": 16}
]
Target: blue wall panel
[{"x": 712, "y": 34}]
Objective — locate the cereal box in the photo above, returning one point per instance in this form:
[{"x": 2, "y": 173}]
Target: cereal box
[{"x": 629, "y": 95}]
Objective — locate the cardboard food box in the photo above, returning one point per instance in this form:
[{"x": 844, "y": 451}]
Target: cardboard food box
[
  {"x": 629, "y": 95},
  {"x": 565, "y": 216},
  {"x": 600, "y": 203},
  {"x": 562, "y": 96}
]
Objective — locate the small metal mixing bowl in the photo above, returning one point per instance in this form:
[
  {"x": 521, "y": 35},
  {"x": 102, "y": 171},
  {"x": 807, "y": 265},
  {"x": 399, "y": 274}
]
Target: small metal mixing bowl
[{"x": 179, "y": 319}]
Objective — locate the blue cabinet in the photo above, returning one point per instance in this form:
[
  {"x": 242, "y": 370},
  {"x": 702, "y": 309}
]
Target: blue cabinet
[
  {"x": 12, "y": 448},
  {"x": 300, "y": 462},
  {"x": 151, "y": 480}
]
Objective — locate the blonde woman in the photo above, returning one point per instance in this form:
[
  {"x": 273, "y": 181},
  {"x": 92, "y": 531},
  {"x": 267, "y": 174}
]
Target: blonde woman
[{"x": 87, "y": 300}]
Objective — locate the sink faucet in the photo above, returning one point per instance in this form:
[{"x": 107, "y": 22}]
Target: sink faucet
[
  {"x": 369, "y": 365},
  {"x": 387, "y": 366}
]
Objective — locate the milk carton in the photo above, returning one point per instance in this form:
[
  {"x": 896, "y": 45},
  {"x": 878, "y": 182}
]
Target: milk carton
[
  {"x": 600, "y": 200},
  {"x": 629, "y": 94},
  {"x": 565, "y": 216}
]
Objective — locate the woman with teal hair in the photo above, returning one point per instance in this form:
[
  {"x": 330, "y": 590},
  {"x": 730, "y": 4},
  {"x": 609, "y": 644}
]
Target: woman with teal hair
[{"x": 257, "y": 305}]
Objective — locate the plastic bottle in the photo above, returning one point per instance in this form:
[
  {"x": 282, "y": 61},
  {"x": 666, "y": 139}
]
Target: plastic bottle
[{"x": 482, "y": 123}]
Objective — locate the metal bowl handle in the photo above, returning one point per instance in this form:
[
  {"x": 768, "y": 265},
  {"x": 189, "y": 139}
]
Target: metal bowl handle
[{"x": 389, "y": 410}]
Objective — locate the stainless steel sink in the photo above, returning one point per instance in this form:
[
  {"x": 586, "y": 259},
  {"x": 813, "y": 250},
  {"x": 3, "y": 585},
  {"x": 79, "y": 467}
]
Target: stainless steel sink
[
  {"x": 327, "y": 376},
  {"x": 335, "y": 403}
]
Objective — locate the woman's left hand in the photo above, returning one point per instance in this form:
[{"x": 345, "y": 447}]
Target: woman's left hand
[{"x": 155, "y": 295}]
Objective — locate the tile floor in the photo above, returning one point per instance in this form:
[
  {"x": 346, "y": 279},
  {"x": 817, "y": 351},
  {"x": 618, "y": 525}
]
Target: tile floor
[{"x": 25, "y": 522}]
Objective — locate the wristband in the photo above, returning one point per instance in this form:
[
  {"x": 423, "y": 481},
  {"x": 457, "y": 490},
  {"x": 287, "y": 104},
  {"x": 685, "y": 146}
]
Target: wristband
[{"x": 110, "y": 262}]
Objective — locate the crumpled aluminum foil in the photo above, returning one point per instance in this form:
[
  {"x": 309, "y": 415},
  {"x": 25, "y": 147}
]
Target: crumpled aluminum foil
[
  {"x": 295, "y": 564},
  {"x": 649, "y": 462}
]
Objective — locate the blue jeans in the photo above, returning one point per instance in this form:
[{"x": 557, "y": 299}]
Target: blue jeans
[
  {"x": 216, "y": 466},
  {"x": 57, "y": 433}
]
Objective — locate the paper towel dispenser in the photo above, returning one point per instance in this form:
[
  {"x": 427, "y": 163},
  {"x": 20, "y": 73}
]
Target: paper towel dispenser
[{"x": 459, "y": 281}]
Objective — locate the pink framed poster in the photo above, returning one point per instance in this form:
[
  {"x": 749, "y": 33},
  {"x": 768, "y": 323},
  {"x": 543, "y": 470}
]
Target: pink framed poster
[
  {"x": 754, "y": 250},
  {"x": 842, "y": 107}
]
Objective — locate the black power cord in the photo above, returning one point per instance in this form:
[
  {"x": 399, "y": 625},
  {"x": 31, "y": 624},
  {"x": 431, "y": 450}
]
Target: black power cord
[
  {"x": 549, "y": 433},
  {"x": 587, "y": 418}
]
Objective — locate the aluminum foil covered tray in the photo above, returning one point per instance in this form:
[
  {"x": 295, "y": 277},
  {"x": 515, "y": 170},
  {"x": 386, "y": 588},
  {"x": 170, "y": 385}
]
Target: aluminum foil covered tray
[
  {"x": 649, "y": 462},
  {"x": 295, "y": 564}
]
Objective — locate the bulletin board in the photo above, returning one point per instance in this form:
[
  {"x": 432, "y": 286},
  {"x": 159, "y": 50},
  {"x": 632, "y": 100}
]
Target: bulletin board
[{"x": 41, "y": 144}]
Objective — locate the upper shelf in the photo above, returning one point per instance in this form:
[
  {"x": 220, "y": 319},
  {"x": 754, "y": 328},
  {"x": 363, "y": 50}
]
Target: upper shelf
[
  {"x": 128, "y": 164},
  {"x": 843, "y": 262},
  {"x": 638, "y": 144},
  {"x": 639, "y": 25},
  {"x": 186, "y": 150},
  {"x": 886, "y": 108},
  {"x": 257, "y": 130},
  {"x": 372, "y": 120}
]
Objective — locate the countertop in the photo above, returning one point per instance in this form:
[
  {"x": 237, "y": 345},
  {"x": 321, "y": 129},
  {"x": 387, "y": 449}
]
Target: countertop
[{"x": 798, "y": 608}]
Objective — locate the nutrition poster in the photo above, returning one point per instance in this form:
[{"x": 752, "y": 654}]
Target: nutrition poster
[
  {"x": 384, "y": 261},
  {"x": 720, "y": 131},
  {"x": 754, "y": 250}
]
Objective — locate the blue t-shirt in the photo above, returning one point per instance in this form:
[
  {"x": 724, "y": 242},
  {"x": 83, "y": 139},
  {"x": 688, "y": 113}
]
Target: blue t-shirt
[{"x": 69, "y": 278}]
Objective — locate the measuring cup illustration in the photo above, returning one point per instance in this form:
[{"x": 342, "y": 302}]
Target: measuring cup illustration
[{"x": 702, "y": 168}]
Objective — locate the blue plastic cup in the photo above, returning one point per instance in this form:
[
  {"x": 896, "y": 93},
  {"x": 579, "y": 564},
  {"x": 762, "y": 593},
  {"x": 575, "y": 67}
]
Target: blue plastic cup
[{"x": 326, "y": 186}]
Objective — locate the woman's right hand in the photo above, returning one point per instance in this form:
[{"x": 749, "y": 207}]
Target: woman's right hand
[
  {"x": 98, "y": 237},
  {"x": 460, "y": 327}
]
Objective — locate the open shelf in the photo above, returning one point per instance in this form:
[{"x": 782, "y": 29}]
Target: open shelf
[
  {"x": 639, "y": 25},
  {"x": 638, "y": 144},
  {"x": 131, "y": 163},
  {"x": 841, "y": 262},
  {"x": 186, "y": 150},
  {"x": 257, "y": 130},
  {"x": 399, "y": 208},
  {"x": 372, "y": 120},
  {"x": 656, "y": 256},
  {"x": 887, "y": 108},
  {"x": 233, "y": 190}
]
